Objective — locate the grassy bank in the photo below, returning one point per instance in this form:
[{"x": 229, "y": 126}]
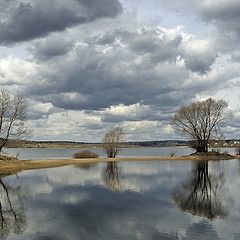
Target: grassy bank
[{"x": 13, "y": 165}]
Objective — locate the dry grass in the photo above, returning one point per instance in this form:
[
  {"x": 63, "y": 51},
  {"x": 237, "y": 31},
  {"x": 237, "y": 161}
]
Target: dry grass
[
  {"x": 85, "y": 154},
  {"x": 7, "y": 158},
  {"x": 215, "y": 154}
]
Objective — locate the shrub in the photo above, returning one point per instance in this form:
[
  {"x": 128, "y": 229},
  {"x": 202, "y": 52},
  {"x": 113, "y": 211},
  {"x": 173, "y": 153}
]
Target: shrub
[
  {"x": 85, "y": 154},
  {"x": 7, "y": 158}
]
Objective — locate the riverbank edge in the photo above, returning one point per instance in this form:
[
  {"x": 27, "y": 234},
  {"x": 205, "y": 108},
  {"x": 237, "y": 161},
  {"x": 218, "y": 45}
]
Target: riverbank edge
[{"x": 12, "y": 166}]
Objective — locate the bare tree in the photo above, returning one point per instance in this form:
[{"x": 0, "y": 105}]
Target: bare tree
[
  {"x": 200, "y": 121},
  {"x": 112, "y": 140},
  {"x": 12, "y": 115}
]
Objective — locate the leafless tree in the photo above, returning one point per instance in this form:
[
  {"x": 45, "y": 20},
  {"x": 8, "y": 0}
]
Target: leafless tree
[
  {"x": 200, "y": 121},
  {"x": 112, "y": 140},
  {"x": 12, "y": 116}
]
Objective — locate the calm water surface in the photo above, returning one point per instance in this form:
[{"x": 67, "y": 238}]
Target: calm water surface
[
  {"x": 125, "y": 200},
  {"x": 43, "y": 153}
]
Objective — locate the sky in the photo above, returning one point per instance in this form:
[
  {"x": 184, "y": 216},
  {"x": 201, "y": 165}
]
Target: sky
[{"x": 86, "y": 66}]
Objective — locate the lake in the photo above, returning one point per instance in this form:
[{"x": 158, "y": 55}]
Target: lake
[
  {"x": 155, "y": 200},
  {"x": 45, "y": 153}
]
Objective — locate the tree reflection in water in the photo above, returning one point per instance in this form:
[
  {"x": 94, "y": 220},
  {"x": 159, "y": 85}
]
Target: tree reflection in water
[
  {"x": 12, "y": 213},
  {"x": 111, "y": 177},
  {"x": 200, "y": 195}
]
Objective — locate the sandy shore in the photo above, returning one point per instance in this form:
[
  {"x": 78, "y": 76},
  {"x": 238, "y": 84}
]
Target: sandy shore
[{"x": 12, "y": 166}]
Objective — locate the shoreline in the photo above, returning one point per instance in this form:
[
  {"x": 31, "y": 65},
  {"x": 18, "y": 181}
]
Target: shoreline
[
  {"x": 100, "y": 147},
  {"x": 14, "y": 166}
]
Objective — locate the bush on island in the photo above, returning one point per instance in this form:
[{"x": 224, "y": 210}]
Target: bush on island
[{"x": 85, "y": 154}]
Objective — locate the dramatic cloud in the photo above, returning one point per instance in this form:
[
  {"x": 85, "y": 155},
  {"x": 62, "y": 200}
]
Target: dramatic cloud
[
  {"x": 86, "y": 66},
  {"x": 224, "y": 14},
  {"x": 21, "y": 21},
  {"x": 90, "y": 74},
  {"x": 199, "y": 55},
  {"x": 51, "y": 47}
]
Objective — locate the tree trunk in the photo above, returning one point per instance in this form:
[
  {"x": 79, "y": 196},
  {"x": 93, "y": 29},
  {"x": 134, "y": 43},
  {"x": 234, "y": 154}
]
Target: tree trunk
[
  {"x": 202, "y": 146},
  {"x": 1, "y": 147}
]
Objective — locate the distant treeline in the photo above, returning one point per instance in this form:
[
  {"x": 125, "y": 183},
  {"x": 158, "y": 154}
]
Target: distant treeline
[{"x": 161, "y": 143}]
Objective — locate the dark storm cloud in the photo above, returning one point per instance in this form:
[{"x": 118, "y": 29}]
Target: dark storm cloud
[
  {"x": 200, "y": 64},
  {"x": 235, "y": 122},
  {"x": 89, "y": 88},
  {"x": 225, "y": 15},
  {"x": 160, "y": 46},
  {"x": 156, "y": 42},
  {"x": 101, "y": 8},
  {"x": 51, "y": 47},
  {"x": 21, "y": 21},
  {"x": 118, "y": 67}
]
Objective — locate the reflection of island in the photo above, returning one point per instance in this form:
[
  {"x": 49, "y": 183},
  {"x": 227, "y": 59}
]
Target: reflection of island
[
  {"x": 200, "y": 195},
  {"x": 111, "y": 177},
  {"x": 12, "y": 213},
  {"x": 85, "y": 166}
]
